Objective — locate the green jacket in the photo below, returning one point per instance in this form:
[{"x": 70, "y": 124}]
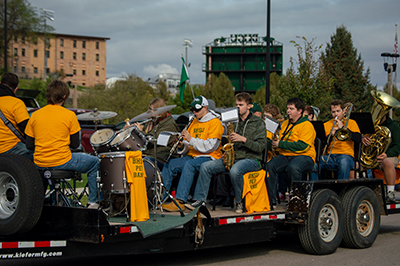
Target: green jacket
[
  {"x": 394, "y": 146},
  {"x": 253, "y": 128},
  {"x": 167, "y": 124}
]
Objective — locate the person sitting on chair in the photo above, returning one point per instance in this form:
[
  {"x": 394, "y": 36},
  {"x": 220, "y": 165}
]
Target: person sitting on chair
[
  {"x": 342, "y": 153},
  {"x": 295, "y": 147},
  {"x": 249, "y": 138},
  {"x": 164, "y": 122},
  {"x": 15, "y": 112},
  {"x": 52, "y": 131},
  {"x": 202, "y": 140}
]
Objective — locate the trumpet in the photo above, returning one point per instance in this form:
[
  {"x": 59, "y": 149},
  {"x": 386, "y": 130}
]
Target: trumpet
[
  {"x": 180, "y": 138},
  {"x": 341, "y": 134}
]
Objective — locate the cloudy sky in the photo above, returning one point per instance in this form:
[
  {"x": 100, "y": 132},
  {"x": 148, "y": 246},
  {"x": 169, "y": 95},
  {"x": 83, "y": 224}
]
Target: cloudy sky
[{"x": 146, "y": 36}]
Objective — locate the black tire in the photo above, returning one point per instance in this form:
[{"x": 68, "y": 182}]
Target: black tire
[
  {"x": 323, "y": 230},
  {"x": 362, "y": 217},
  {"x": 21, "y": 194}
]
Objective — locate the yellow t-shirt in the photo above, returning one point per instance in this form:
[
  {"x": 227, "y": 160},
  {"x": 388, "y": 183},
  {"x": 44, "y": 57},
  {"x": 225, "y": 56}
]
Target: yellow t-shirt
[
  {"x": 342, "y": 147},
  {"x": 51, "y": 127},
  {"x": 211, "y": 129},
  {"x": 15, "y": 111},
  {"x": 303, "y": 131},
  {"x": 136, "y": 177},
  {"x": 255, "y": 192}
]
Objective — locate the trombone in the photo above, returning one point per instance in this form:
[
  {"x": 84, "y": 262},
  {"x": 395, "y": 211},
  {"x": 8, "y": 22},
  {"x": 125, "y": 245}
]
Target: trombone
[{"x": 341, "y": 134}]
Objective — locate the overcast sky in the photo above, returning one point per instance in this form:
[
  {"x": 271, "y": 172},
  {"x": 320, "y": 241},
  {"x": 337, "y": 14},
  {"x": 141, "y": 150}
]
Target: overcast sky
[{"x": 146, "y": 36}]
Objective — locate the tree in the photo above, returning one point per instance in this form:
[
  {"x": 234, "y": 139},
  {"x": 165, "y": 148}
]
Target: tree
[
  {"x": 345, "y": 67},
  {"x": 305, "y": 79},
  {"x": 187, "y": 99},
  {"x": 22, "y": 22},
  {"x": 220, "y": 90},
  {"x": 275, "y": 96},
  {"x": 162, "y": 91}
]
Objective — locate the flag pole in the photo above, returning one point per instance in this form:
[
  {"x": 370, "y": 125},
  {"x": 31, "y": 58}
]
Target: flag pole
[{"x": 396, "y": 47}]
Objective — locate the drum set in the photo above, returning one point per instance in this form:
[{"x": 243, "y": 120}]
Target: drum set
[{"x": 110, "y": 146}]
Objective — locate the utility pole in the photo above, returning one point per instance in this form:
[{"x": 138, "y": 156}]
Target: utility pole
[
  {"x": 5, "y": 37},
  {"x": 390, "y": 68},
  {"x": 268, "y": 54},
  {"x": 47, "y": 14}
]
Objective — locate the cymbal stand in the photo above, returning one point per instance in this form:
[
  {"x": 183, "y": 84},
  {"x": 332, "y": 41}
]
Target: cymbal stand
[{"x": 158, "y": 185}]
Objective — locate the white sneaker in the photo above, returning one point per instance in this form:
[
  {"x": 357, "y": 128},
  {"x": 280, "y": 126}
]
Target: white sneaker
[
  {"x": 239, "y": 207},
  {"x": 93, "y": 205}
]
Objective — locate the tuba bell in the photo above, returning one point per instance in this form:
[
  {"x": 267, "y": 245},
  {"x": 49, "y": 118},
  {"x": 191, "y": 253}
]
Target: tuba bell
[{"x": 381, "y": 139}]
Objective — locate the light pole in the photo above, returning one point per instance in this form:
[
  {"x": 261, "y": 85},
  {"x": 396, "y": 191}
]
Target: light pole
[
  {"x": 47, "y": 14},
  {"x": 390, "y": 68},
  {"x": 187, "y": 43}
]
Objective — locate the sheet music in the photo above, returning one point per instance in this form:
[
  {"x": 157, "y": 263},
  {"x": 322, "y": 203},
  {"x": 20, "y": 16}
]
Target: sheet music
[
  {"x": 271, "y": 124},
  {"x": 163, "y": 138}
]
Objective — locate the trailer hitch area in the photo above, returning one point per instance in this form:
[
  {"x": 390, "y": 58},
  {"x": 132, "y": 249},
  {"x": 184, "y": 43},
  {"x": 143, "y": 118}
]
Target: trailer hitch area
[{"x": 199, "y": 231}]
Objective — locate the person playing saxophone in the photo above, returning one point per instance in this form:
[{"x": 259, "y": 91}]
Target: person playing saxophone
[
  {"x": 202, "y": 142},
  {"x": 249, "y": 138},
  {"x": 342, "y": 153}
]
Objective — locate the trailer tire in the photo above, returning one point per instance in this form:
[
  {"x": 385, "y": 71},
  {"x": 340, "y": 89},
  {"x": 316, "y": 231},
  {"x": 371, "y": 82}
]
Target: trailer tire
[
  {"x": 362, "y": 217},
  {"x": 21, "y": 194},
  {"x": 323, "y": 230}
]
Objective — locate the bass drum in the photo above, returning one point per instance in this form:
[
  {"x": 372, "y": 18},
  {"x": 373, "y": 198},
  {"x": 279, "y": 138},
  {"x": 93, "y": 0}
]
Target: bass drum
[{"x": 151, "y": 174}]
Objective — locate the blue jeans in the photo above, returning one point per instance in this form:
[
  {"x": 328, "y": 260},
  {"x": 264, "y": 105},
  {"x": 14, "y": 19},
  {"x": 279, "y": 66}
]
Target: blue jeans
[
  {"x": 83, "y": 163},
  {"x": 212, "y": 168},
  {"x": 291, "y": 166},
  {"x": 20, "y": 149},
  {"x": 186, "y": 165},
  {"x": 344, "y": 163}
]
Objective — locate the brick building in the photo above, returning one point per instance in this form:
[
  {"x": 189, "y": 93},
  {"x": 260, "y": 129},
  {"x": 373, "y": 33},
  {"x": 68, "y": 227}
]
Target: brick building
[{"x": 82, "y": 56}]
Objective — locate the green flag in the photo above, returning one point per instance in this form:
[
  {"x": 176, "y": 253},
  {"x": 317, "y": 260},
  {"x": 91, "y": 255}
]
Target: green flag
[{"x": 184, "y": 77}]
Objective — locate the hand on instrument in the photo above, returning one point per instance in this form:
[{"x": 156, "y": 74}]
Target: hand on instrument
[
  {"x": 139, "y": 126},
  {"x": 381, "y": 157},
  {"x": 186, "y": 135},
  {"x": 236, "y": 137},
  {"x": 275, "y": 144},
  {"x": 365, "y": 140}
]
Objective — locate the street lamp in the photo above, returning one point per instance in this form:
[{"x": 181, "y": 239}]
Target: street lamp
[
  {"x": 187, "y": 43},
  {"x": 390, "y": 68},
  {"x": 47, "y": 14}
]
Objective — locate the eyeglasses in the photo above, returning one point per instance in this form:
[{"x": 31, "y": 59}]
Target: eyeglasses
[{"x": 195, "y": 110}]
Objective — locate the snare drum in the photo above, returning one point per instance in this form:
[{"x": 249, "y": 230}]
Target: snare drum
[
  {"x": 129, "y": 139},
  {"x": 100, "y": 140}
]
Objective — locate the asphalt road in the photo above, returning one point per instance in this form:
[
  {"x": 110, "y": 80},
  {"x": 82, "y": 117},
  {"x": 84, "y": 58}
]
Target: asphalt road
[{"x": 284, "y": 250}]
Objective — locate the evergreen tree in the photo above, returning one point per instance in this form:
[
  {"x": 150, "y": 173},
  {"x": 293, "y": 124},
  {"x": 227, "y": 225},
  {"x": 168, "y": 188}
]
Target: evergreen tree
[
  {"x": 345, "y": 67},
  {"x": 220, "y": 90}
]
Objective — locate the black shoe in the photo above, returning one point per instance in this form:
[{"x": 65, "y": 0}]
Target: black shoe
[
  {"x": 228, "y": 202},
  {"x": 218, "y": 200}
]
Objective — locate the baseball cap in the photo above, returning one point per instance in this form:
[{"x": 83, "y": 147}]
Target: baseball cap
[
  {"x": 256, "y": 108},
  {"x": 199, "y": 102}
]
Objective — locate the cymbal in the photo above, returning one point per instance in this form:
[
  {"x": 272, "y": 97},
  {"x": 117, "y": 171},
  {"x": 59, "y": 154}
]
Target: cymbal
[
  {"x": 152, "y": 113},
  {"x": 96, "y": 115}
]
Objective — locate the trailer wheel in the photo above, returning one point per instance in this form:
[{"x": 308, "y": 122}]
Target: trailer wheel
[
  {"x": 323, "y": 230},
  {"x": 21, "y": 194},
  {"x": 362, "y": 217}
]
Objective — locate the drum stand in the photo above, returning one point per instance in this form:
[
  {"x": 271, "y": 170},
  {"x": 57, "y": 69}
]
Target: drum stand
[{"x": 158, "y": 185}]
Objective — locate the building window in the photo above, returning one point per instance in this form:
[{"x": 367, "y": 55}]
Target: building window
[
  {"x": 83, "y": 44},
  {"x": 48, "y": 54},
  {"x": 35, "y": 53},
  {"x": 97, "y": 45},
  {"x": 23, "y": 52},
  {"x": 74, "y": 56},
  {"x": 23, "y": 69},
  {"x": 74, "y": 43},
  {"x": 61, "y": 55},
  {"x": 15, "y": 69},
  {"x": 23, "y": 39},
  {"x": 97, "y": 73},
  {"x": 48, "y": 70},
  {"x": 61, "y": 42},
  {"x": 15, "y": 39},
  {"x": 74, "y": 72},
  {"x": 15, "y": 51},
  {"x": 83, "y": 56},
  {"x": 97, "y": 57},
  {"x": 35, "y": 70},
  {"x": 83, "y": 72},
  {"x": 83, "y": 83}
]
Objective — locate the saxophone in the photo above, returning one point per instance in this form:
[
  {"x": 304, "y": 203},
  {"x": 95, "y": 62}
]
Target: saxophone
[{"x": 229, "y": 152}]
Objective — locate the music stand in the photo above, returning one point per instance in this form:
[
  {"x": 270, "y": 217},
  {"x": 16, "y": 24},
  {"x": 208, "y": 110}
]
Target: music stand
[
  {"x": 364, "y": 121},
  {"x": 320, "y": 130}
]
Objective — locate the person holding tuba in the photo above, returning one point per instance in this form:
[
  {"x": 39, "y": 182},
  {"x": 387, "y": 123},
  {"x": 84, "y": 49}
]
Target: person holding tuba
[
  {"x": 344, "y": 132},
  {"x": 249, "y": 138},
  {"x": 388, "y": 160},
  {"x": 202, "y": 142}
]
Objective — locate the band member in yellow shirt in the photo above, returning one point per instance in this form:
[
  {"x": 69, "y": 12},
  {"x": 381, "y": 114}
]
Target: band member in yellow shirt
[{"x": 52, "y": 131}]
